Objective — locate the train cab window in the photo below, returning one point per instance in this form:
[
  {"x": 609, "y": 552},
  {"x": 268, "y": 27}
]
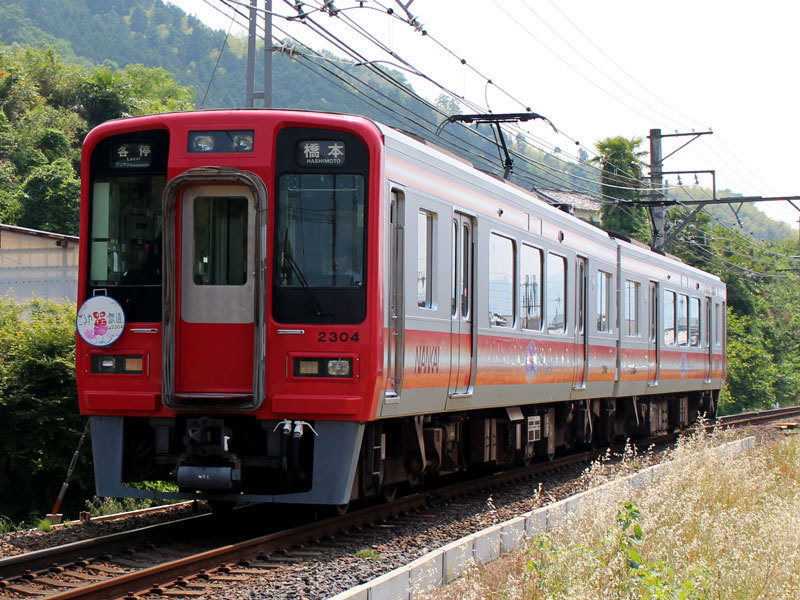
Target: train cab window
[
  {"x": 126, "y": 231},
  {"x": 683, "y": 320},
  {"x": 320, "y": 231},
  {"x": 127, "y": 177},
  {"x": 530, "y": 288},
  {"x": 425, "y": 230},
  {"x": 669, "y": 318},
  {"x": 694, "y": 322},
  {"x": 556, "y": 294},
  {"x": 220, "y": 241},
  {"x": 631, "y": 309},
  {"x": 501, "y": 281},
  {"x": 603, "y": 301},
  {"x": 717, "y": 324}
]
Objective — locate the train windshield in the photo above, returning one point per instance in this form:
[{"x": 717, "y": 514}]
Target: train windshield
[
  {"x": 126, "y": 231},
  {"x": 320, "y": 231}
]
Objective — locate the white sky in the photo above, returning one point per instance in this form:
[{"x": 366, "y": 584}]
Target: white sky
[{"x": 600, "y": 69}]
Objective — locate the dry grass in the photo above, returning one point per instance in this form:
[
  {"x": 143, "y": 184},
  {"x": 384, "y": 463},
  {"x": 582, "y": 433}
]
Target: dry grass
[{"x": 711, "y": 527}]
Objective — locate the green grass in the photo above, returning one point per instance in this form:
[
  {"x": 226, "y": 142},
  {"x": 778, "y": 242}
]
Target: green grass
[{"x": 711, "y": 527}]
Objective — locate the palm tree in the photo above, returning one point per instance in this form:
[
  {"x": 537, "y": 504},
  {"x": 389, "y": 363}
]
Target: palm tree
[{"x": 620, "y": 183}]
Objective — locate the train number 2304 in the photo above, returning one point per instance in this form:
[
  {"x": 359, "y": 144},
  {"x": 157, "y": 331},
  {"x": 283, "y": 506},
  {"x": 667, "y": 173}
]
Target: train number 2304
[{"x": 337, "y": 336}]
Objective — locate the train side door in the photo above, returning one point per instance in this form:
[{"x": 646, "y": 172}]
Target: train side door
[
  {"x": 653, "y": 351},
  {"x": 215, "y": 292},
  {"x": 461, "y": 299},
  {"x": 709, "y": 346},
  {"x": 396, "y": 304},
  {"x": 581, "y": 337}
]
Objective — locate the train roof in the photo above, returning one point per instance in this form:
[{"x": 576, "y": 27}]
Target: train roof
[{"x": 425, "y": 151}]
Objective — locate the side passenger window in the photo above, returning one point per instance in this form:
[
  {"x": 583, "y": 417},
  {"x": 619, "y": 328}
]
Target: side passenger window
[
  {"x": 501, "y": 281},
  {"x": 425, "y": 222},
  {"x": 530, "y": 288},
  {"x": 556, "y": 294},
  {"x": 603, "y": 301},
  {"x": 669, "y": 318}
]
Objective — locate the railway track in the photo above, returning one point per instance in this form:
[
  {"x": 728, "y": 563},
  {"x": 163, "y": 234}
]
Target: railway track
[
  {"x": 762, "y": 416},
  {"x": 167, "y": 561}
]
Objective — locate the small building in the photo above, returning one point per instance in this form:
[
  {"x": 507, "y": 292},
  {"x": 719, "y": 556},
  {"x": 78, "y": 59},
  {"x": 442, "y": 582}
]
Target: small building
[
  {"x": 37, "y": 264},
  {"x": 583, "y": 206}
]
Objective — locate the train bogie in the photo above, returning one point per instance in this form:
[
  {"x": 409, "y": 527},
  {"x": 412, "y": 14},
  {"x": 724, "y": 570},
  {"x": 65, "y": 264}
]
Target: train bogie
[{"x": 313, "y": 308}]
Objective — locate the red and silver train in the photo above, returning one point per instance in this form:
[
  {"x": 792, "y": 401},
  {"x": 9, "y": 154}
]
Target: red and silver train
[{"x": 303, "y": 307}]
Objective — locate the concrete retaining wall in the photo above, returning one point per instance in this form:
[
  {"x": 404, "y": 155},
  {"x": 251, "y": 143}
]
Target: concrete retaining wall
[{"x": 449, "y": 562}]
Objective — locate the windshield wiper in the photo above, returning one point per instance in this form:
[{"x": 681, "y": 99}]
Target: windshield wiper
[{"x": 305, "y": 287}]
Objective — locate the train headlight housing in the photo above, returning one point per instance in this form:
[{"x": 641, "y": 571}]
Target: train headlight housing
[
  {"x": 326, "y": 366},
  {"x": 243, "y": 142},
  {"x": 202, "y": 143},
  {"x": 125, "y": 364},
  {"x": 339, "y": 367}
]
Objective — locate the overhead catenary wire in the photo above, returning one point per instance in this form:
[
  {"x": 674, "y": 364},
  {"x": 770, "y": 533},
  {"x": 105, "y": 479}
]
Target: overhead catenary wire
[{"x": 554, "y": 174}]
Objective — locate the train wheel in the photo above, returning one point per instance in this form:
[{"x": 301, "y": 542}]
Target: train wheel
[{"x": 341, "y": 509}]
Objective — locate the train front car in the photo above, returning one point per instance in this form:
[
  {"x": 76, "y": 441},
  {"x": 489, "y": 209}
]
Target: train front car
[{"x": 230, "y": 330}]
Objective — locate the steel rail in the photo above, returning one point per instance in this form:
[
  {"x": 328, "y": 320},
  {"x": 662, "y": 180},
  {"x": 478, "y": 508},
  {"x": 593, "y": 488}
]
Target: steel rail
[{"x": 165, "y": 575}]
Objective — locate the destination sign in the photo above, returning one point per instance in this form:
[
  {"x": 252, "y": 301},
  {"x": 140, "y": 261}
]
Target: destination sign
[
  {"x": 135, "y": 155},
  {"x": 321, "y": 153}
]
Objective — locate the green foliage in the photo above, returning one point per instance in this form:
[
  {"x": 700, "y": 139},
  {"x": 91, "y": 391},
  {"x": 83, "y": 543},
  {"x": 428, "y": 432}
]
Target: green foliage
[
  {"x": 618, "y": 557},
  {"x": 6, "y": 525},
  {"x": 621, "y": 166},
  {"x": 51, "y": 200},
  {"x": 44, "y": 525},
  {"x": 38, "y": 394},
  {"x": 751, "y": 370},
  {"x": 46, "y": 108}
]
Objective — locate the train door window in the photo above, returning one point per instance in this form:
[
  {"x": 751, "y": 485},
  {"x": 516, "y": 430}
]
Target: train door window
[
  {"x": 683, "y": 320},
  {"x": 669, "y": 318},
  {"x": 425, "y": 221},
  {"x": 530, "y": 287},
  {"x": 220, "y": 241},
  {"x": 694, "y": 322},
  {"x": 603, "y": 301},
  {"x": 580, "y": 295},
  {"x": 466, "y": 269},
  {"x": 556, "y": 294},
  {"x": 454, "y": 271},
  {"x": 631, "y": 311},
  {"x": 653, "y": 310},
  {"x": 501, "y": 281},
  {"x": 717, "y": 324}
]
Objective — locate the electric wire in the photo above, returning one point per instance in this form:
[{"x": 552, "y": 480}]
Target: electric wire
[{"x": 426, "y": 126}]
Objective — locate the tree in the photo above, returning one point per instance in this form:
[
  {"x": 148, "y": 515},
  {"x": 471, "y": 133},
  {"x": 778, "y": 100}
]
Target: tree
[
  {"x": 619, "y": 182},
  {"x": 38, "y": 405},
  {"x": 52, "y": 198}
]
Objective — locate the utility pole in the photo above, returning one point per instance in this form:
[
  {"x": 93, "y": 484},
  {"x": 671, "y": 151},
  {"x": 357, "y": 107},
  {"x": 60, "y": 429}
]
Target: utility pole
[
  {"x": 250, "y": 94},
  {"x": 656, "y": 212},
  {"x": 656, "y": 206}
]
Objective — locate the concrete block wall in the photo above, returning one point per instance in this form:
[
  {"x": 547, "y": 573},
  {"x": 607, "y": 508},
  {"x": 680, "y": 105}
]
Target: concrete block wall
[{"x": 449, "y": 562}]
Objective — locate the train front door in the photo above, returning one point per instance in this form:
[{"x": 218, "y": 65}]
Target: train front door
[
  {"x": 461, "y": 309},
  {"x": 213, "y": 297}
]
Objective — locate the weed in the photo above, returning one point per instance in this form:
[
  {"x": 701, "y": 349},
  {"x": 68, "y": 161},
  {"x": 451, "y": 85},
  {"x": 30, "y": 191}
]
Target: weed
[
  {"x": 7, "y": 525},
  {"x": 44, "y": 525}
]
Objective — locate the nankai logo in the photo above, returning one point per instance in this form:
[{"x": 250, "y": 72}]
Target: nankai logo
[{"x": 427, "y": 359}]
